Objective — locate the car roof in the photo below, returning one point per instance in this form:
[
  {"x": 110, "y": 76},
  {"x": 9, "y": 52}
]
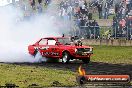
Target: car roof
[{"x": 54, "y": 37}]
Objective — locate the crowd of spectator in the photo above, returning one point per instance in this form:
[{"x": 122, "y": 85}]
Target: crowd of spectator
[
  {"x": 122, "y": 21},
  {"x": 39, "y": 4},
  {"x": 78, "y": 10},
  {"x": 103, "y": 7},
  {"x": 32, "y": 6}
]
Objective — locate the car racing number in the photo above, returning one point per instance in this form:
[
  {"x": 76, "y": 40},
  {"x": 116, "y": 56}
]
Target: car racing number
[{"x": 49, "y": 51}]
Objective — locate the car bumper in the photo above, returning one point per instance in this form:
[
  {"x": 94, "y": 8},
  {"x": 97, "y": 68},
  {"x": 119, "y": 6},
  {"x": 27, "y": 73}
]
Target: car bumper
[{"x": 83, "y": 55}]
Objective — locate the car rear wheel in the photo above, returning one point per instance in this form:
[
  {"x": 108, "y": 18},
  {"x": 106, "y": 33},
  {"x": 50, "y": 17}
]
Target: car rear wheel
[
  {"x": 86, "y": 61},
  {"x": 65, "y": 57}
]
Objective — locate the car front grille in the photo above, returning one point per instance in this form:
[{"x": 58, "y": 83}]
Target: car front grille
[{"x": 83, "y": 49}]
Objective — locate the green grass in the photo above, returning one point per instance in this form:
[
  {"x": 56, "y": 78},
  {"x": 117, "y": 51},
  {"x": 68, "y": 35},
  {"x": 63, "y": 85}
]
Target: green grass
[
  {"x": 112, "y": 54},
  {"x": 23, "y": 76}
]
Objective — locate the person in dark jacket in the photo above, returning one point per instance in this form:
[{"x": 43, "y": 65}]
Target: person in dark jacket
[
  {"x": 39, "y": 1},
  {"x": 32, "y": 3},
  {"x": 100, "y": 10}
]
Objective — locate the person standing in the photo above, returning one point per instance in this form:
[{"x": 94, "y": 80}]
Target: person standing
[
  {"x": 128, "y": 4},
  {"x": 39, "y": 1},
  {"x": 122, "y": 25},
  {"x": 106, "y": 11},
  {"x": 100, "y": 10},
  {"x": 39, "y": 7},
  {"x": 32, "y": 3}
]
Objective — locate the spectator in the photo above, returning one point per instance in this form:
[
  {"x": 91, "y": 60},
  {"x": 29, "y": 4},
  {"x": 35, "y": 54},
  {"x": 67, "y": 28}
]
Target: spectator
[
  {"x": 39, "y": 1},
  {"x": 97, "y": 30},
  {"x": 115, "y": 25},
  {"x": 61, "y": 4},
  {"x": 82, "y": 8},
  {"x": 123, "y": 12},
  {"x": 100, "y": 10},
  {"x": 116, "y": 8},
  {"x": 93, "y": 28},
  {"x": 69, "y": 11},
  {"x": 47, "y": 2},
  {"x": 39, "y": 7},
  {"x": 111, "y": 3},
  {"x": 76, "y": 11},
  {"x": 32, "y": 3},
  {"x": 85, "y": 3},
  {"x": 128, "y": 4},
  {"x": 106, "y": 11},
  {"x": 82, "y": 23},
  {"x": 122, "y": 25}
]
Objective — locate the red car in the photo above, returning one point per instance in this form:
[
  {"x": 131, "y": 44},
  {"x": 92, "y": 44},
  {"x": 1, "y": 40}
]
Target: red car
[{"x": 61, "y": 48}]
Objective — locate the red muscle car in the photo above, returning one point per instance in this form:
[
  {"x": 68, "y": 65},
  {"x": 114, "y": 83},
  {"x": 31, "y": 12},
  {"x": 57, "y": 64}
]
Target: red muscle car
[{"x": 61, "y": 48}]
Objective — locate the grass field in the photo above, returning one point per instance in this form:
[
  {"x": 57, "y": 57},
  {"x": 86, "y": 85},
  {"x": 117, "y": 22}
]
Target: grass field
[
  {"x": 112, "y": 54},
  {"x": 26, "y": 75}
]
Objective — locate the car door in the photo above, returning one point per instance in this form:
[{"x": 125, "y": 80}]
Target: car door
[
  {"x": 43, "y": 47},
  {"x": 53, "y": 48},
  {"x": 33, "y": 48}
]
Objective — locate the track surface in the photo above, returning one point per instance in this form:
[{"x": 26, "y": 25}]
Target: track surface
[{"x": 91, "y": 68}]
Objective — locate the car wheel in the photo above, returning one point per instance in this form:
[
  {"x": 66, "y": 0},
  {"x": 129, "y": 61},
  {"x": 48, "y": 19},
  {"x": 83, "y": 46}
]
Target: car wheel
[
  {"x": 35, "y": 52},
  {"x": 65, "y": 57},
  {"x": 86, "y": 61}
]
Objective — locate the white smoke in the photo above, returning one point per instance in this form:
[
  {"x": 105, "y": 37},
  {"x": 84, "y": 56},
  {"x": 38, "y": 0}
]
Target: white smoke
[{"x": 15, "y": 36}]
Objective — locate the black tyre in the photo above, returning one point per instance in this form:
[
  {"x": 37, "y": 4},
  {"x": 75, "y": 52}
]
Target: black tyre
[
  {"x": 65, "y": 57},
  {"x": 35, "y": 52},
  {"x": 86, "y": 61}
]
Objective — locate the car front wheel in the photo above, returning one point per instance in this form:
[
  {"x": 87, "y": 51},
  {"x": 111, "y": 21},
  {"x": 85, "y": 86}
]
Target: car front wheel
[{"x": 65, "y": 57}]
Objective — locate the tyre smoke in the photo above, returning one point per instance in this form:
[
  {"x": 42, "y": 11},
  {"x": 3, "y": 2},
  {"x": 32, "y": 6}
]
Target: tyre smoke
[{"x": 16, "y": 35}]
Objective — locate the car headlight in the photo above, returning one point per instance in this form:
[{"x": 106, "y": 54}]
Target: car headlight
[
  {"x": 91, "y": 49},
  {"x": 75, "y": 50}
]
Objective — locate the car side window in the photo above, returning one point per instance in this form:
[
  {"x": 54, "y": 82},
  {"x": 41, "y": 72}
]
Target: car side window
[
  {"x": 43, "y": 42},
  {"x": 51, "y": 42}
]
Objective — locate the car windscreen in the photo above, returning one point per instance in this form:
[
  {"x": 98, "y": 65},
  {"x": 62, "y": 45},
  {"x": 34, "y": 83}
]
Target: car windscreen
[{"x": 65, "y": 41}]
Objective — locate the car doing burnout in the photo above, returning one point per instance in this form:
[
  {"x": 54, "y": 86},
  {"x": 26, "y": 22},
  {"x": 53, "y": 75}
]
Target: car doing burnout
[{"x": 61, "y": 48}]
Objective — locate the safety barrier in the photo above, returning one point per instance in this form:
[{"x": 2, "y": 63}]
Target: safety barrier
[{"x": 107, "y": 42}]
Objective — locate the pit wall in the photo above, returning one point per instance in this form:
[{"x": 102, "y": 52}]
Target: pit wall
[{"x": 108, "y": 42}]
